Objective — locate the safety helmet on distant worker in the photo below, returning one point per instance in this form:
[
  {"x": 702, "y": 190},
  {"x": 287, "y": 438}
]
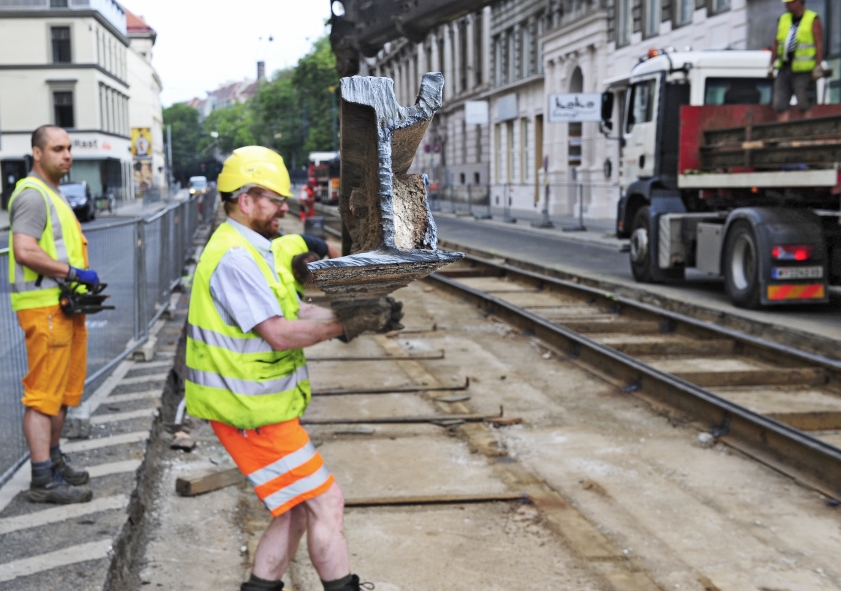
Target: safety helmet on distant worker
[{"x": 254, "y": 165}]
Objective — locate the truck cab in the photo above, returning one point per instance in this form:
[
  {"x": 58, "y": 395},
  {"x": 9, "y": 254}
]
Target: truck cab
[{"x": 710, "y": 179}]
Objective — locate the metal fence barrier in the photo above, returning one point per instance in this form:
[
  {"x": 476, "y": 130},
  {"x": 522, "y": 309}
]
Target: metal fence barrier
[{"x": 141, "y": 260}]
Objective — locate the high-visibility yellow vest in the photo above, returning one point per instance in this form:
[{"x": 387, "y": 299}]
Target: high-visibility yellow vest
[
  {"x": 235, "y": 377},
  {"x": 284, "y": 250},
  {"x": 62, "y": 240},
  {"x": 805, "y": 53}
]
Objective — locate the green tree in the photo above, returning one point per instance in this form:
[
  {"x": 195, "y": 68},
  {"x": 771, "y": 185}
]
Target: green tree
[
  {"x": 186, "y": 132},
  {"x": 225, "y": 130}
]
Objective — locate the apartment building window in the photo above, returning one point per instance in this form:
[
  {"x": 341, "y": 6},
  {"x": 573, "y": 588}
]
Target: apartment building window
[
  {"x": 716, "y": 6},
  {"x": 497, "y": 62},
  {"x": 541, "y": 27},
  {"x": 510, "y": 155},
  {"x": 525, "y": 51},
  {"x": 683, "y": 10},
  {"x": 462, "y": 55},
  {"x": 61, "y": 44},
  {"x": 525, "y": 169},
  {"x": 511, "y": 57},
  {"x": 478, "y": 49},
  {"x": 653, "y": 16},
  {"x": 63, "y": 109},
  {"x": 624, "y": 22},
  {"x": 58, "y": 3}
]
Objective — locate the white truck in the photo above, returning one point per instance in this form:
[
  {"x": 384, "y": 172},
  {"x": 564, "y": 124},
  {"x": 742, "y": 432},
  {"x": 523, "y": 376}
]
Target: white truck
[{"x": 714, "y": 179}]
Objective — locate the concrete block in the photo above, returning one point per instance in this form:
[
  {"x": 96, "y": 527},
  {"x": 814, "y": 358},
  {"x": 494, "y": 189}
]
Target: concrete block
[
  {"x": 146, "y": 352},
  {"x": 77, "y": 425},
  {"x": 390, "y": 234}
]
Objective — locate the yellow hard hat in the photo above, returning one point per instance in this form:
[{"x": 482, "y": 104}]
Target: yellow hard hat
[{"x": 254, "y": 165}]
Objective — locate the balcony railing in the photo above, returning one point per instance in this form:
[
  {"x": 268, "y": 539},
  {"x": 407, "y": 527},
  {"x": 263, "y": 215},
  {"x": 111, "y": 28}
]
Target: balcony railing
[{"x": 112, "y": 11}]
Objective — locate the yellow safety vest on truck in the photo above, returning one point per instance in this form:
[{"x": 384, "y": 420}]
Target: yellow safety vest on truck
[
  {"x": 62, "y": 240},
  {"x": 234, "y": 377},
  {"x": 805, "y": 52}
]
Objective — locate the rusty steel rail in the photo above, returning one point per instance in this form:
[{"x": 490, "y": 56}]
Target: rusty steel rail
[{"x": 799, "y": 455}]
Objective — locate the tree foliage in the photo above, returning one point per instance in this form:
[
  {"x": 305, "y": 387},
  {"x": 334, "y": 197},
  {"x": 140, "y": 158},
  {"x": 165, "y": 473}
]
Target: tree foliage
[{"x": 292, "y": 113}]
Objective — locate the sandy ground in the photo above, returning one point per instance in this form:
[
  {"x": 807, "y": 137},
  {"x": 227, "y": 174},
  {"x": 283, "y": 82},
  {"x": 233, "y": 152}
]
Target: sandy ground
[{"x": 629, "y": 499}]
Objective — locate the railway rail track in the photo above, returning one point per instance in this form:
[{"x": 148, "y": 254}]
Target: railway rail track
[{"x": 777, "y": 404}]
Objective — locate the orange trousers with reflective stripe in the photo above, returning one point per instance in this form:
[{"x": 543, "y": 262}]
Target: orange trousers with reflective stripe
[{"x": 279, "y": 461}]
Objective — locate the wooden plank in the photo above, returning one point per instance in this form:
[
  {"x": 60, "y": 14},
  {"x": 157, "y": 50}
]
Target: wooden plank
[
  {"x": 619, "y": 325},
  {"x": 665, "y": 347},
  {"x": 397, "y": 390},
  {"x": 827, "y": 420},
  {"x": 208, "y": 480},
  {"x": 467, "y": 418},
  {"x": 435, "y": 500},
  {"x": 793, "y": 376},
  {"x": 439, "y": 354}
]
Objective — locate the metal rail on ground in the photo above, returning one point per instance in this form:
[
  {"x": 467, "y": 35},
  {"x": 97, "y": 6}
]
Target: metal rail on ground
[{"x": 807, "y": 458}]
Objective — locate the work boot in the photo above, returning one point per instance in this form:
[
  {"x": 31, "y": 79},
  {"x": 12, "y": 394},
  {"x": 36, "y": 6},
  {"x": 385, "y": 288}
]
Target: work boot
[
  {"x": 58, "y": 490},
  {"x": 61, "y": 465},
  {"x": 257, "y": 584},
  {"x": 355, "y": 585}
]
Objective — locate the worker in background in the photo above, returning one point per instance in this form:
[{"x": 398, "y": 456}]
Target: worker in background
[
  {"x": 47, "y": 244},
  {"x": 291, "y": 247},
  {"x": 306, "y": 198},
  {"x": 796, "y": 56},
  {"x": 247, "y": 374}
]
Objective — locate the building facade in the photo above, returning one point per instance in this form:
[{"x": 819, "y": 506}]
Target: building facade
[
  {"x": 64, "y": 62},
  {"x": 532, "y": 49},
  {"x": 145, "y": 110}
]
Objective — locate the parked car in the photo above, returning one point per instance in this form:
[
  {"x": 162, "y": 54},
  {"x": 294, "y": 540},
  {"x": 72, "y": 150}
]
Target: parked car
[
  {"x": 80, "y": 199},
  {"x": 198, "y": 185}
]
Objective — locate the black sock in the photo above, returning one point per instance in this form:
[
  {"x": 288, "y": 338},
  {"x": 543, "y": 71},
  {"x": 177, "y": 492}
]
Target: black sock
[
  {"x": 256, "y": 581},
  {"x": 55, "y": 450},
  {"x": 42, "y": 472},
  {"x": 337, "y": 584}
]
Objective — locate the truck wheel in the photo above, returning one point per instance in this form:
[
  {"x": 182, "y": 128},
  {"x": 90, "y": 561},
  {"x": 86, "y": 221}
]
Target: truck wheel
[
  {"x": 741, "y": 266},
  {"x": 640, "y": 253}
]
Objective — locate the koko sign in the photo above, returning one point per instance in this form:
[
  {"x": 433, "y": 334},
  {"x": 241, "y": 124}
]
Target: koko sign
[{"x": 575, "y": 108}]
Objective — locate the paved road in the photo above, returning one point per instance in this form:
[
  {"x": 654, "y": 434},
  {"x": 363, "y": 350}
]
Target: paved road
[{"x": 555, "y": 250}]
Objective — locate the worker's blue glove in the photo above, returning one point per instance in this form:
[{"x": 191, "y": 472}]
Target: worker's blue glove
[{"x": 87, "y": 276}]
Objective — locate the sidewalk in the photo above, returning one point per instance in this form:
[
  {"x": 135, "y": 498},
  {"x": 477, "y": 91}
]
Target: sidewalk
[{"x": 597, "y": 231}]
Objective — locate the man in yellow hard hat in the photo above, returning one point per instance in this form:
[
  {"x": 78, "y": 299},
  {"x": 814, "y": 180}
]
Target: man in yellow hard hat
[
  {"x": 796, "y": 56},
  {"x": 247, "y": 374}
]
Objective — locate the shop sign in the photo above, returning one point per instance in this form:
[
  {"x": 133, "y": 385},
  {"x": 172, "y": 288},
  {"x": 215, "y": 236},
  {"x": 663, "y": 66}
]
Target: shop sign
[{"x": 578, "y": 107}]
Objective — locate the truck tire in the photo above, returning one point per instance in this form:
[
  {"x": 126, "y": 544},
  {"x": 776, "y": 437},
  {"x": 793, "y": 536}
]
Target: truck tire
[
  {"x": 640, "y": 252},
  {"x": 741, "y": 266}
]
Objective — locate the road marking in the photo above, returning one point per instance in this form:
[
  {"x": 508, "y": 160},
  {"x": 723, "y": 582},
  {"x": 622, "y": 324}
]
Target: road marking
[
  {"x": 113, "y": 468},
  {"x": 66, "y": 556},
  {"x": 109, "y": 384},
  {"x": 158, "y": 377},
  {"x": 17, "y": 483},
  {"x": 122, "y": 416},
  {"x": 148, "y": 394},
  {"x": 89, "y": 444},
  {"x": 63, "y": 513}
]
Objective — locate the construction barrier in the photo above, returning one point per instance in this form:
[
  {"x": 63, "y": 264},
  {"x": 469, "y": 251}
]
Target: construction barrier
[{"x": 141, "y": 260}]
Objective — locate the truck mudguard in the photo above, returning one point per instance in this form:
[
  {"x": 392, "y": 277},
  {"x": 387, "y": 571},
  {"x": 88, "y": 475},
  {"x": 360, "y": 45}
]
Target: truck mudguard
[{"x": 778, "y": 225}]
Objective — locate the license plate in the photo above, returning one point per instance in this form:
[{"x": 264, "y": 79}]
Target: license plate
[{"x": 797, "y": 272}]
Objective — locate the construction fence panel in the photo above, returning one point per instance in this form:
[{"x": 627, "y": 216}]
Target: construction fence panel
[{"x": 141, "y": 260}]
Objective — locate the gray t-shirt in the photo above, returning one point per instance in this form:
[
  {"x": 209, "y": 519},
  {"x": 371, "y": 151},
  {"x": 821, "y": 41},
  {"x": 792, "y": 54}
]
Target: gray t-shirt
[{"x": 28, "y": 214}]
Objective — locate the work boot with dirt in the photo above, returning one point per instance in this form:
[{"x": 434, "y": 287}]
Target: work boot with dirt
[
  {"x": 57, "y": 490},
  {"x": 61, "y": 465}
]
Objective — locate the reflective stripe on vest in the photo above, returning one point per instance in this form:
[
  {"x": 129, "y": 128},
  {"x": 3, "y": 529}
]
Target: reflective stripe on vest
[
  {"x": 62, "y": 240},
  {"x": 284, "y": 250},
  {"x": 805, "y": 53},
  {"x": 234, "y": 377}
]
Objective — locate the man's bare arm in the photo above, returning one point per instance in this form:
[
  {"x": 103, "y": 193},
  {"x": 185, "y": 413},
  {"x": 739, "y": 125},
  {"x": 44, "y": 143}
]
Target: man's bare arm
[
  {"x": 333, "y": 251},
  {"x": 30, "y": 254},
  {"x": 312, "y": 312},
  {"x": 283, "y": 334}
]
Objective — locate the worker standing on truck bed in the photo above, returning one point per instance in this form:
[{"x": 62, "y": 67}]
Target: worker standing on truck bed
[
  {"x": 247, "y": 374},
  {"x": 47, "y": 244},
  {"x": 796, "y": 56}
]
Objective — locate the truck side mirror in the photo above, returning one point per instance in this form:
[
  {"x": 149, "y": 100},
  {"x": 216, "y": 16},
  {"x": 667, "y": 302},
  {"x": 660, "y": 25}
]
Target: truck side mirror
[{"x": 607, "y": 112}]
